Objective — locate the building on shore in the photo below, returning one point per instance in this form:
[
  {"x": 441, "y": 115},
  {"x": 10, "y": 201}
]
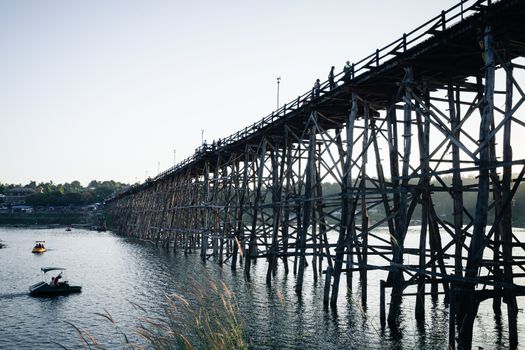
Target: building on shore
[{"x": 18, "y": 195}]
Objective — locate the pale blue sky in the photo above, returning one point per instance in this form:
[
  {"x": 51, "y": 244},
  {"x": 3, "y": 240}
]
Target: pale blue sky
[{"x": 105, "y": 89}]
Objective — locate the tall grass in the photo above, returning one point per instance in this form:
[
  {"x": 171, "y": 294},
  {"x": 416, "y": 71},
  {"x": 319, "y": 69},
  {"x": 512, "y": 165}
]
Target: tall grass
[{"x": 208, "y": 319}]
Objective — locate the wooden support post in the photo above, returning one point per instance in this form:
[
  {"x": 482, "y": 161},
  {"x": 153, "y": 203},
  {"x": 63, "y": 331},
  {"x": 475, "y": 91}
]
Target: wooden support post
[
  {"x": 213, "y": 224},
  {"x": 252, "y": 248},
  {"x": 228, "y": 176},
  {"x": 425, "y": 201},
  {"x": 307, "y": 207},
  {"x": 346, "y": 205},
  {"x": 173, "y": 212},
  {"x": 313, "y": 225},
  {"x": 382, "y": 181},
  {"x": 436, "y": 253},
  {"x": 382, "y": 313},
  {"x": 298, "y": 209},
  {"x": 204, "y": 213},
  {"x": 327, "y": 280},
  {"x": 239, "y": 233},
  {"x": 498, "y": 212},
  {"x": 322, "y": 225},
  {"x": 400, "y": 205},
  {"x": 298, "y": 206},
  {"x": 364, "y": 210},
  {"x": 276, "y": 213},
  {"x": 454, "y": 107},
  {"x": 469, "y": 304},
  {"x": 506, "y": 223},
  {"x": 313, "y": 215},
  {"x": 288, "y": 195},
  {"x": 452, "y": 319}
]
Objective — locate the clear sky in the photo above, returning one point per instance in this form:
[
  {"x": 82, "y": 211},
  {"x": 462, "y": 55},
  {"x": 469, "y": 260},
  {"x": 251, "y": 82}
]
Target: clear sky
[{"x": 109, "y": 89}]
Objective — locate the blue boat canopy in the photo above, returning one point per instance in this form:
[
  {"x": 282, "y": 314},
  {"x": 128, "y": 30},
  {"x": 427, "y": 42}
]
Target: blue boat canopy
[{"x": 47, "y": 269}]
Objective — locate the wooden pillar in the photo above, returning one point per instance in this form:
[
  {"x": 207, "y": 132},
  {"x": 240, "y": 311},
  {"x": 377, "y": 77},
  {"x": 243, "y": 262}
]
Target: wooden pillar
[
  {"x": 298, "y": 206},
  {"x": 346, "y": 205},
  {"x": 506, "y": 223},
  {"x": 239, "y": 232},
  {"x": 307, "y": 207},
  {"x": 316, "y": 215},
  {"x": 328, "y": 278},
  {"x": 364, "y": 209},
  {"x": 457, "y": 185},
  {"x": 226, "y": 202},
  {"x": 382, "y": 314},
  {"x": 498, "y": 212},
  {"x": 323, "y": 237},
  {"x": 425, "y": 202},
  {"x": 400, "y": 205},
  {"x": 252, "y": 245},
  {"x": 214, "y": 189},
  {"x": 382, "y": 181},
  {"x": 288, "y": 195},
  {"x": 313, "y": 224},
  {"x": 469, "y": 303},
  {"x": 452, "y": 319},
  {"x": 276, "y": 211},
  {"x": 203, "y": 205}
]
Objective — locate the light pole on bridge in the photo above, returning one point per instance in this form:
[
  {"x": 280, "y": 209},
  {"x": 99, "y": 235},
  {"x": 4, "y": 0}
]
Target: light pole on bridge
[{"x": 278, "y": 82}]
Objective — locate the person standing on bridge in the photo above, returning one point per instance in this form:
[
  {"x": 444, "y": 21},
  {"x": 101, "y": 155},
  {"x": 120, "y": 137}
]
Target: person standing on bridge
[
  {"x": 347, "y": 70},
  {"x": 317, "y": 88},
  {"x": 331, "y": 81}
]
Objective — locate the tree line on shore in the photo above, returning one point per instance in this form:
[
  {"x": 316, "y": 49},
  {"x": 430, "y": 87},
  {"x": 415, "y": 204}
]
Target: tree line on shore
[
  {"x": 443, "y": 203},
  {"x": 48, "y": 194}
]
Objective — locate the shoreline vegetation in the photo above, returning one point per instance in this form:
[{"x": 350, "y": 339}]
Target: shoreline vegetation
[
  {"x": 55, "y": 204},
  {"x": 209, "y": 318}
]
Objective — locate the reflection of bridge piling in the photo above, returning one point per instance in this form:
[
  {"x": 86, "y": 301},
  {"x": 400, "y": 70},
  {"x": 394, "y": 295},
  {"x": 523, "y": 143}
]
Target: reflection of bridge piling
[{"x": 399, "y": 137}]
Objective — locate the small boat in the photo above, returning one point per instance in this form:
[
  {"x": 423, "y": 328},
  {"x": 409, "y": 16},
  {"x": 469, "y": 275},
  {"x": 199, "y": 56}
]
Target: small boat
[
  {"x": 100, "y": 228},
  {"x": 39, "y": 247},
  {"x": 2, "y": 244},
  {"x": 57, "y": 285},
  {"x": 68, "y": 228}
]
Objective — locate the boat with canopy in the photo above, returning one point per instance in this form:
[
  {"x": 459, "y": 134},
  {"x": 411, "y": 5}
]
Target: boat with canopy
[{"x": 56, "y": 285}]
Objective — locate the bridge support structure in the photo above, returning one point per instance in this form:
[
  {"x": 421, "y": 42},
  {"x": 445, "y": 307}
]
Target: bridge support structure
[{"x": 404, "y": 174}]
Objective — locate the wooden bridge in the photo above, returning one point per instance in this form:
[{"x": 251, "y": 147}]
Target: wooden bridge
[{"x": 407, "y": 135}]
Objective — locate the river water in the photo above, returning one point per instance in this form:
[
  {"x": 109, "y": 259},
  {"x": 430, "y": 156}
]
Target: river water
[{"x": 117, "y": 272}]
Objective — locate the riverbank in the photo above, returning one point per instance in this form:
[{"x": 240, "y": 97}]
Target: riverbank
[{"x": 46, "y": 219}]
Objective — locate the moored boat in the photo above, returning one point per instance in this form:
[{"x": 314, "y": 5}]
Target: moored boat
[
  {"x": 39, "y": 247},
  {"x": 57, "y": 285},
  {"x": 100, "y": 228}
]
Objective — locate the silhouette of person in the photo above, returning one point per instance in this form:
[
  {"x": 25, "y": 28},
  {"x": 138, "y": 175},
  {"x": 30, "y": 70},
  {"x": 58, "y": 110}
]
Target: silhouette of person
[
  {"x": 57, "y": 278},
  {"x": 331, "y": 81},
  {"x": 347, "y": 69},
  {"x": 317, "y": 88}
]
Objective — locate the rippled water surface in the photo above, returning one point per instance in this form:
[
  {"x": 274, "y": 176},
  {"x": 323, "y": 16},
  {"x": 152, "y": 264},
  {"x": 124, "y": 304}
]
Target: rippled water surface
[{"x": 116, "y": 272}]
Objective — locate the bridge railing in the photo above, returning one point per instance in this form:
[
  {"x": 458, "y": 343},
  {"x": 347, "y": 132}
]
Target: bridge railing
[{"x": 431, "y": 28}]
